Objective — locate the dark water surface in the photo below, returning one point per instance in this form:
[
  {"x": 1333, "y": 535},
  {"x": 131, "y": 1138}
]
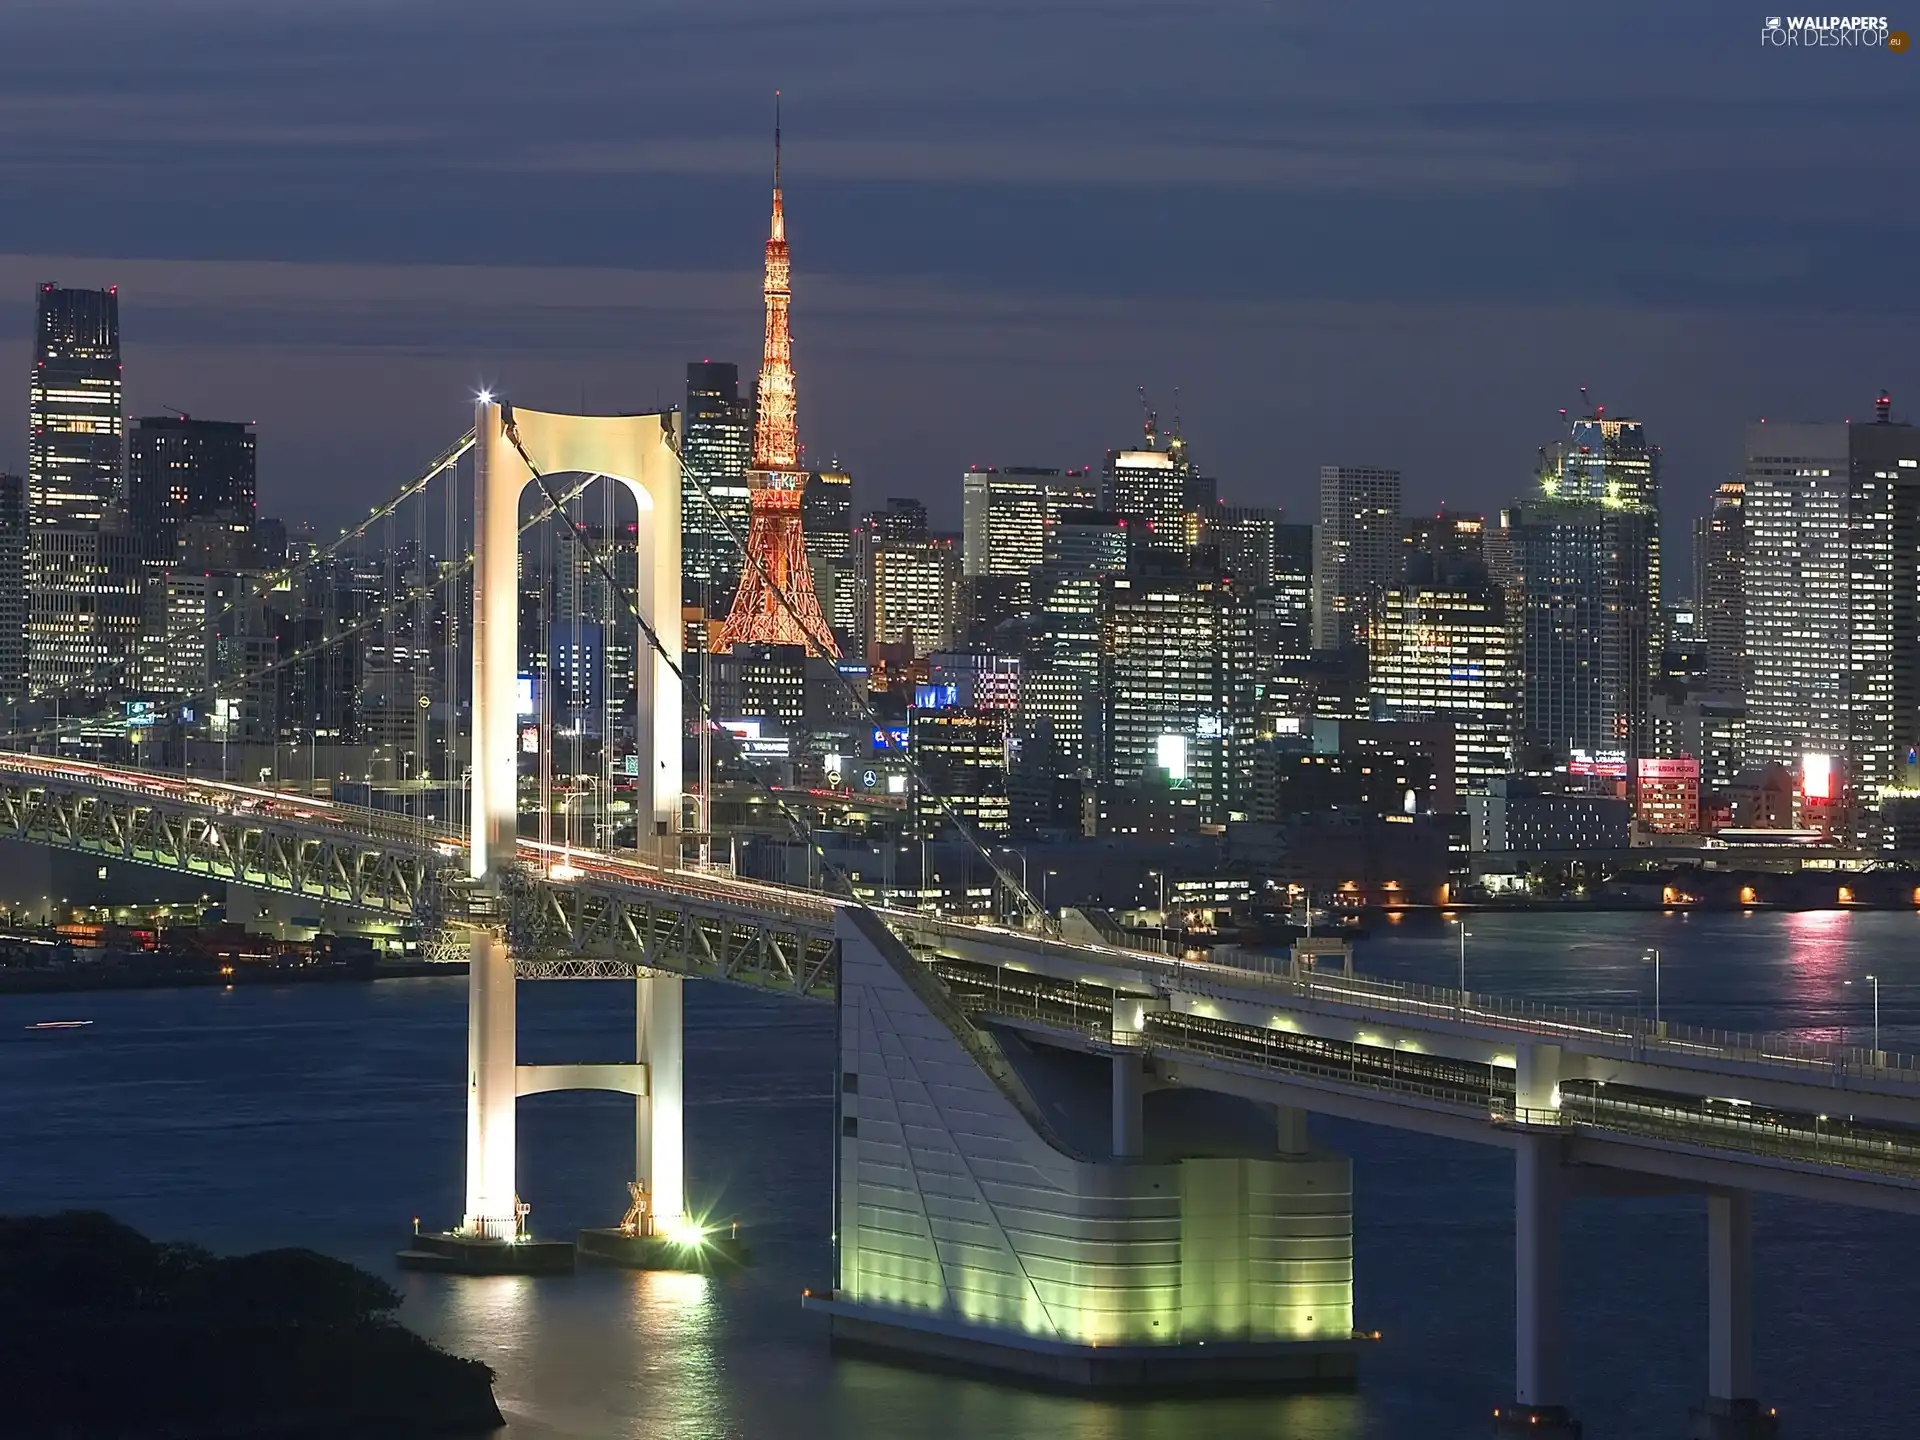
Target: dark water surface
[{"x": 330, "y": 1115}]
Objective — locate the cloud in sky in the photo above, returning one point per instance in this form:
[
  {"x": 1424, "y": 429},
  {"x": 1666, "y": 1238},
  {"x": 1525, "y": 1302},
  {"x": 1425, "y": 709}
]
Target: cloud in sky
[{"x": 1383, "y": 234}]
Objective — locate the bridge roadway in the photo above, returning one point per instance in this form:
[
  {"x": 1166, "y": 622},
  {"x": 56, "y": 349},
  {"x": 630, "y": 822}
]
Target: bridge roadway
[{"x": 1688, "y": 1106}]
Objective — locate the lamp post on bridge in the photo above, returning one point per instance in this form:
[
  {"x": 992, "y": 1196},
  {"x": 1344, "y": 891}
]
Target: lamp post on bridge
[
  {"x": 1874, "y": 980},
  {"x": 1653, "y": 953},
  {"x": 1464, "y": 933}
]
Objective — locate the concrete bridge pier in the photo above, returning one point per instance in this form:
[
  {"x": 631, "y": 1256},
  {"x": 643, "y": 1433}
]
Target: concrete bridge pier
[
  {"x": 659, "y": 1113},
  {"x": 492, "y": 1090},
  {"x": 1539, "y": 1407},
  {"x": 1731, "y": 1412}
]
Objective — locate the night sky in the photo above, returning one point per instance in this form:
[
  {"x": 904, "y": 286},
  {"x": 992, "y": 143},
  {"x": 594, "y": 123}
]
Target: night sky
[{"x": 1395, "y": 234}]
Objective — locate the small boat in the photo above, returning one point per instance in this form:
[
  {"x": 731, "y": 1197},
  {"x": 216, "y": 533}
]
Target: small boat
[{"x": 58, "y": 1024}]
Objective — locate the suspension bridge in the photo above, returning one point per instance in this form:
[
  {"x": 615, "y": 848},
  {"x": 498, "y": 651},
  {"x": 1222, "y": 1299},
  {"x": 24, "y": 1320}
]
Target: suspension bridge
[{"x": 1056, "y": 1155}]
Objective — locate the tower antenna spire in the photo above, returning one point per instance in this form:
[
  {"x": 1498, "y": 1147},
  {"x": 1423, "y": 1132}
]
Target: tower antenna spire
[{"x": 776, "y": 139}]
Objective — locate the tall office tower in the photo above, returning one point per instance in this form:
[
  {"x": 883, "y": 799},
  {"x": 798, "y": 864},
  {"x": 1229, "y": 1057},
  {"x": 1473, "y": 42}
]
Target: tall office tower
[
  {"x": 1159, "y": 489},
  {"x": 961, "y": 757},
  {"x": 1832, "y": 596},
  {"x": 826, "y": 514},
  {"x": 1247, "y": 537},
  {"x": 1357, "y": 548},
  {"x": 1442, "y": 650},
  {"x": 84, "y": 608},
  {"x": 1610, "y": 462},
  {"x": 1177, "y": 682},
  {"x": 1448, "y": 539},
  {"x": 715, "y": 503},
  {"x": 1584, "y": 577},
  {"x": 915, "y": 594},
  {"x": 775, "y": 604},
  {"x": 1003, "y": 523},
  {"x": 826, "y": 519},
  {"x": 902, "y": 519},
  {"x": 74, "y": 421},
  {"x": 13, "y": 589},
  {"x": 181, "y": 469},
  {"x": 1719, "y": 587},
  {"x": 1292, "y": 589}
]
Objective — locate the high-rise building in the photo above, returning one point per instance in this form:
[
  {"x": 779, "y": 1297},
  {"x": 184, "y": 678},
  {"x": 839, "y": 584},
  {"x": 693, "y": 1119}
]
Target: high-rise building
[
  {"x": 1832, "y": 516},
  {"x": 84, "y": 612},
  {"x": 1177, "y": 678},
  {"x": 13, "y": 588},
  {"x": 1612, "y": 464},
  {"x": 181, "y": 469},
  {"x": 826, "y": 514},
  {"x": 902, "y": 518},
  {"x": 1586, "y": 624},
  {"x": 915, "y": 594},
  {"x": 1442, "y": 650},
  {"x": 715, "y": 452},
  {"x": 1247, "y": 537},
  {"x": 1719, "y": 587},
  {"x": 1160, "y": 490},
  {"x": 1292, "y": 594},
  {"x": 775, "y": 603},
  {"x": 74, "y": 419},
  {"x": 1003, "y": 521},
  {"x": 960, "y": 756},
  {"x": 1358, "y": 550}
]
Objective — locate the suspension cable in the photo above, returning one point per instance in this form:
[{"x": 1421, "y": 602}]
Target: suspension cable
[
  {"x": 266, "y": 585},
  {"x": 865, "y": 707}
]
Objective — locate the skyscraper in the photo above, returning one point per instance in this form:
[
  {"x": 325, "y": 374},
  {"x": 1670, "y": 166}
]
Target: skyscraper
[
  {"x": 1442, "y": 650},
  {"x": 1246, "y": 536},
  {"x": 1159, "y": 489},
  {"x": 915, "y": 593},
  {"x": 74, "y": 418},
  {"x": 1003, "y": 518},
  {"x": 1586, "y": 624},
  {"x": 1719, "y": 587},
  {"x": 1176, "y": 648},
  {"x": 181, "y": 469},
  {"x": 83, "y": 583},
  {"x": 1832, "y": 594},
  {"x": 1612, "y": 464},
  {"x": 775, "y": 604},
  {"x": 715, "y": 452},
  {"x": 1357, "y": 550},
  {"x": 13, "y": 588}
]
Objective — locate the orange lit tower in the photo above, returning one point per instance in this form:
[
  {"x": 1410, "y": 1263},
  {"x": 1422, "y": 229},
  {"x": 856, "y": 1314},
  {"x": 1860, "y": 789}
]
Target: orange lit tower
[{"x": 775, "y": 565}]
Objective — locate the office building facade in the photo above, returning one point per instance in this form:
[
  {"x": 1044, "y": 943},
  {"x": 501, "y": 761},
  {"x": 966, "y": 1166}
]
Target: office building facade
[
  {"x": 715, "y": 454},
  {"x": 1358, "y": 548},
  {"x": 180, "y": 470},
  {"x": 1832, "y": 597}
]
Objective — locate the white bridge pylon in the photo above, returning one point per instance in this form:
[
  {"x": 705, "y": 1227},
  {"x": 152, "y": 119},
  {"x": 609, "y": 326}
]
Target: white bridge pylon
[{"x": 638, "y": 453}]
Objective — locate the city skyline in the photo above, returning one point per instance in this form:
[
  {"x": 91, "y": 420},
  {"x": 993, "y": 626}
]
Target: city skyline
[{"x": 1299, "y": 329}]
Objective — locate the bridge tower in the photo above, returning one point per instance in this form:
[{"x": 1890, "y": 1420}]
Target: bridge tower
[{"x": 639, "y": 453}]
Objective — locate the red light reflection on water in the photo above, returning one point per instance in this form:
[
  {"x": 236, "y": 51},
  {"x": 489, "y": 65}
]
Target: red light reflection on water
[{"x": 1818, "y": 959}]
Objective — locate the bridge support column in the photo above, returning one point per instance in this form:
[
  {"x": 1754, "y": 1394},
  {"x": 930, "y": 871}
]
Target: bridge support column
[
  {"x": 491, "y": 1089},
  {"x": 659, "y": 1119},
  {"x": 1129, "y": 1095},
  {"x": 1291, "y": 1129},
  {"x": 1539, "y": 1407},
  {"x": 1730, "y": 1412}
]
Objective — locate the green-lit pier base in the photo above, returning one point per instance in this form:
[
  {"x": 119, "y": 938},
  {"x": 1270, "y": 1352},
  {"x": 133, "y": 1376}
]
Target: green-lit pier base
[
  {"x": 1282, "y": 1365},
  {"x": 612, "y": 1246}
]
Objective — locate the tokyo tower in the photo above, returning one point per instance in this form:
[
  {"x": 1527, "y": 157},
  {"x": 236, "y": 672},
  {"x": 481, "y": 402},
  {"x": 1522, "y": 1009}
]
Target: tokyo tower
[{"x": 775, "y": 604}]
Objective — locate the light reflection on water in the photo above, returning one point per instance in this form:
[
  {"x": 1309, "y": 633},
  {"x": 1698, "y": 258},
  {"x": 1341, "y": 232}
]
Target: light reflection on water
[{"x": 328, "y": 1115}]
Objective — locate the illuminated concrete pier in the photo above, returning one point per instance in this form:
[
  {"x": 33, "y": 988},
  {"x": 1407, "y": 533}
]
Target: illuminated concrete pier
[{"x": 972, "y": 1232}]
